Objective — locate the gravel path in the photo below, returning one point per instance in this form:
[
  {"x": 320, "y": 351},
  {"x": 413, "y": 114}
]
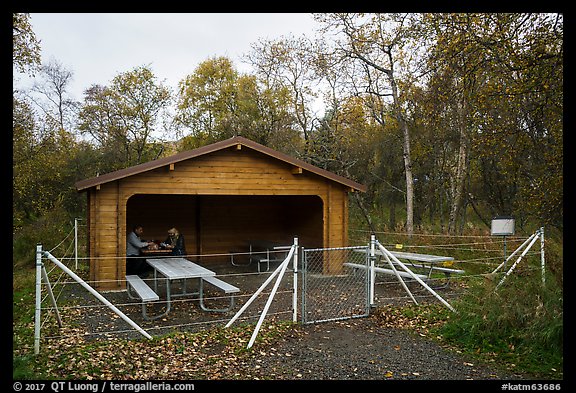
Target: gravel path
[{"x": 360, "y": 349}]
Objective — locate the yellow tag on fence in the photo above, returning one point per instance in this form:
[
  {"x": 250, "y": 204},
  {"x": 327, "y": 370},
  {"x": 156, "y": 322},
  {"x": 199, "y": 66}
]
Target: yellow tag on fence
[
  {"x": 399, "y": 246},
  {"x": 447, "y": 263}
]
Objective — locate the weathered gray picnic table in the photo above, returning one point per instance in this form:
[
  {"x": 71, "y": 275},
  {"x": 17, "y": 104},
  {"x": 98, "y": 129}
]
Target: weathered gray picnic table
[
  {"x": 172, "y": 269},
  {"x": 428, "y": 262}
]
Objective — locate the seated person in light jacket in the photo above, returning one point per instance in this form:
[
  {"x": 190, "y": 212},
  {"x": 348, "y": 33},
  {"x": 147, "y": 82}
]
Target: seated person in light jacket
[
  {"x": 134, "y": 264},
  {"x": 175, "y": 242}
]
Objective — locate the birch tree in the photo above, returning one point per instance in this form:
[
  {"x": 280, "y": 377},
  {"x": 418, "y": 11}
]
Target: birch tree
[
  {"x": 375, "y": 40},
  {"x": 287, "y": 63},
  {"x": 490, "y": 73},
  {"x": 50, "y": 93}
]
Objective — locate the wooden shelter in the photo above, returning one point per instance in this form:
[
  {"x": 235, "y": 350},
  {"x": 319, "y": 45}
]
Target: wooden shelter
[{"x": 220, "y": 197}]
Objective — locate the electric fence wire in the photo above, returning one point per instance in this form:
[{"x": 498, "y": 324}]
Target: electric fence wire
[{"x": 462, "y": 247}]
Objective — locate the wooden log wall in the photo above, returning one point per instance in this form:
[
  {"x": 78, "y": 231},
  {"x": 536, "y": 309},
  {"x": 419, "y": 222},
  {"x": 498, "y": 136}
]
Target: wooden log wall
[{"x": 212, "y": 199}]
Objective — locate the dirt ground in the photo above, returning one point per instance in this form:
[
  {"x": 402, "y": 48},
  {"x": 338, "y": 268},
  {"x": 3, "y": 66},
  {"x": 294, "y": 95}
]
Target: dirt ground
[{"x": 360, "y": 348}]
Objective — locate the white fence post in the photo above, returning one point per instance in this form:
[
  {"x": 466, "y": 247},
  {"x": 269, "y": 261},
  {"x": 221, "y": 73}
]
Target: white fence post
[
  {"x": 295, "y": 295},
  {"x": 76, "y": 243},
  {"x": 38, "y": 298},
  {"x": 97, "y": 295},
  {"x": 542, "y": 263},
  {"x": 372, "y": 272},
  {"x": 400, "y": 279},
  {"x": 51, "y": 295},
  {"x": 514, "y": 253},
  {"x": 254, "y": 296},
  {"x": 280, "y": 271},
  {"x": 534, "y": 237},
  {"x": 270, "y": 298}
]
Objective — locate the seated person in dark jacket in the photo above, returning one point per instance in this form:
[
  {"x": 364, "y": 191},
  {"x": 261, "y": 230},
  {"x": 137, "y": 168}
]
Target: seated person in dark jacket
[{"x": 175, "y": 242}]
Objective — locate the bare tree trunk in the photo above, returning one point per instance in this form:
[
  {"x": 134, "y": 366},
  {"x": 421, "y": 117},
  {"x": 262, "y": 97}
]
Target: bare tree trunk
[
  {"x": 365, "y": 212},
  {"x": 409, "y": 181},
  {"x": 392, "y": 210},
  {"x": 406, "y": 155},
  {"x": 471, "y": 198},
  {"x": 460, "y": 176},
  {"x": 385, "y": 44}
]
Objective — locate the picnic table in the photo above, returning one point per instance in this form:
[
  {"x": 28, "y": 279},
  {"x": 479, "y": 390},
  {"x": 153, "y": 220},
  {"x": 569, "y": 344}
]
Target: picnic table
[
  {"x": 428, "y": 263},
  {"x": 177, "y": 269},
  {"x": 263, "y": 251},
  {"x": 156, "y": 253},
  {"x": 172, "y": 269}
]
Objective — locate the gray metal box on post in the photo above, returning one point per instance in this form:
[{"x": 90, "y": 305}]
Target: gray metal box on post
[{"x": 502, "y": 226}]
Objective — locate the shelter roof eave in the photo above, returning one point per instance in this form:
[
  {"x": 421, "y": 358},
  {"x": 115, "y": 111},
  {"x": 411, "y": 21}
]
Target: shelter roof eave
[{"x": 85, "y": 184}]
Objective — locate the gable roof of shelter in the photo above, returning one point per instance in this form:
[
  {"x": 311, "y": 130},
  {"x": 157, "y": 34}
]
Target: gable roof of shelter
[{"x": 186, "y": 155}]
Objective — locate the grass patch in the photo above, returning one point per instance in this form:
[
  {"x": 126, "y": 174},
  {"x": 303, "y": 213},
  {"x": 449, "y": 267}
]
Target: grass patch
[{"x": 520, "y": 324}]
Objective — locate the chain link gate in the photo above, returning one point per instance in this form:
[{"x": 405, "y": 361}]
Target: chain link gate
[{"x": 330, "y": 290}]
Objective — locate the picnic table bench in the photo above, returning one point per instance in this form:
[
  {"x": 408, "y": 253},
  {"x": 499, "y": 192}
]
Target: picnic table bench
[
  {"x": 142, "y": 292},
  {"x": 222, "y": 285},
  {"x": 378, "y": 269}
]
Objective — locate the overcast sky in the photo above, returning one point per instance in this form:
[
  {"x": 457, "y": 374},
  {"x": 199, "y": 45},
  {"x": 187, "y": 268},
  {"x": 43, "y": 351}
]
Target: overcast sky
[{"x": 97, "y": 47}]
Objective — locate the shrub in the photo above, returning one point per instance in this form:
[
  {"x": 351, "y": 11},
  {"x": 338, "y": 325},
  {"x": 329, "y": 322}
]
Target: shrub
[{"x": 50, "y": 229}]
